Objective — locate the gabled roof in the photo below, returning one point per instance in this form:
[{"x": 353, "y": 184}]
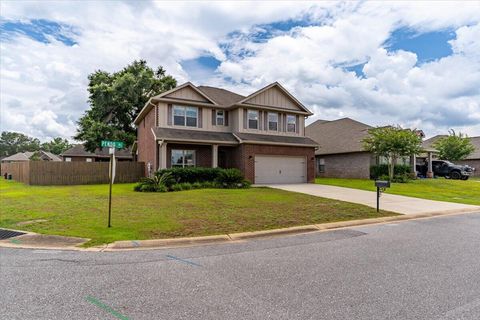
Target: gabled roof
[
  {"x": 25, "y": 156},
  {"x": 428, "y": 144},
  {"x": 222, "y": 96},
  {"x": 186, "y": 84},
  {"x": 20, "y": 156},
  {"x": 282, "y": 89},
  {"x": 218, "y": 97},
  {"x": 51, "y": 156},
  {"x": 338, "y": 136}
]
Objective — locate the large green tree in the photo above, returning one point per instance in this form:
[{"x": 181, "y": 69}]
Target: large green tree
[
  {"x": 14, "y": 142},
  {"x": 454, "y": 147},
  {"x": 392, "y": 142},
  {"x": 116, "y": 99},
  {"x": 56, "y": 145}
]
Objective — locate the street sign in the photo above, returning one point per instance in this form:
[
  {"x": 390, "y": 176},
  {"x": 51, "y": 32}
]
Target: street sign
[{"x": 113, "y": 144}]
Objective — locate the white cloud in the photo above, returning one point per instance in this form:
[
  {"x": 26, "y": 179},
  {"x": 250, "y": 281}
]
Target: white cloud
[{"x": 43, "y": 85}]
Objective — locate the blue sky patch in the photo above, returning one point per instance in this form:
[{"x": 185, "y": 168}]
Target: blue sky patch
[
  {"x": 358, "y": 69},
  {"x": 428, "y": 46},
  {"x": 39, "y": 30},
  {"x": 200, "y": 68}
]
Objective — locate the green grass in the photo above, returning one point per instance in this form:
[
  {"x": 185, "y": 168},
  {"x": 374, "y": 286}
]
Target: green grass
[
  {"x": 440, "y": 189},
  {"x": 81, "y": 211}
]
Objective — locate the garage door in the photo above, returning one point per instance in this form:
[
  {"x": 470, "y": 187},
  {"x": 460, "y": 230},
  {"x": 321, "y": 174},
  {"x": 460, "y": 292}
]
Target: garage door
[{"x": 280, "y": 169}]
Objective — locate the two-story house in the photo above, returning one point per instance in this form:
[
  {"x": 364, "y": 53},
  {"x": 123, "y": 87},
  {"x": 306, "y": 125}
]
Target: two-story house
[{"x": 262, "y": 134}]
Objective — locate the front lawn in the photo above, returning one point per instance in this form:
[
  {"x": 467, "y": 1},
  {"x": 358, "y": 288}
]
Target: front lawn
[
  {"x": 82, "y": 211},
  {"x": 441, "y": 189}
]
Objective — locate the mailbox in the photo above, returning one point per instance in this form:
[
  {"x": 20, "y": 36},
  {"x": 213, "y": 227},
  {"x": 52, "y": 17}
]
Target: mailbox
[{"x": 382, "y": 184}]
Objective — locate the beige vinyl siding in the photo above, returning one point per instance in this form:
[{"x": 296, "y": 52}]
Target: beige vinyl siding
[
  {"x": 273, "y": 97},
  {"x": 188, "y": 94},
  {"x": 205, "y": 121},
  {"x": 281, "y": 125}
]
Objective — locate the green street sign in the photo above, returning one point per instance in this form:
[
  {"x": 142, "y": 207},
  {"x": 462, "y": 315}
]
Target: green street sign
[{"x": 113, "y": 144}]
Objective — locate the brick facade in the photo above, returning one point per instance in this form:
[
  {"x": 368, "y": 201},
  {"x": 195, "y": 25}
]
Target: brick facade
[
  {"x": 354, "y": 165},
  {"x": 146, "y": 144},
  {"x": 474, "y": 163}
]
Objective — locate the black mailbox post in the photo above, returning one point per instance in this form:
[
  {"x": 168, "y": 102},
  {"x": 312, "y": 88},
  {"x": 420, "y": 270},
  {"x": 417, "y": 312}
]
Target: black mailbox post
[{"x": 381, "y": 186}]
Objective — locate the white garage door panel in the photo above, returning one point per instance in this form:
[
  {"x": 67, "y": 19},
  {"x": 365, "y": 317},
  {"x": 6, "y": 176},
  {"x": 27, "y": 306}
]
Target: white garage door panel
[{"x": 280, "y": 169}]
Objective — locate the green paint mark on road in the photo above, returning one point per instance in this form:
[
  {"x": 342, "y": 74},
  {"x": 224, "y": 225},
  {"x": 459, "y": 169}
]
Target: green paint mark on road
[
  {"x": 106, "y": 308},
  {"x": 16, "y": 241}
]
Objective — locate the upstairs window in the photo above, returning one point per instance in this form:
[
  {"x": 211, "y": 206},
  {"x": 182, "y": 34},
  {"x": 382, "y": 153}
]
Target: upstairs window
[
  {"x": 220, "y": 117},
  {"x": 185, "y": 116},
  {"x": 291, "y": 123},
  {"x": 252, "y": 116},
  {"x": 273, "y": 121}
]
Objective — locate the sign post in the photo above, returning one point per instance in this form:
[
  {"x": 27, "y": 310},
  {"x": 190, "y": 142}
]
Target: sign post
[{"x": 112, "y": 145}]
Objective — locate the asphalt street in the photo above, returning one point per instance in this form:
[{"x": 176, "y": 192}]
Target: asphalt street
[{"x": 417, "y": 269}]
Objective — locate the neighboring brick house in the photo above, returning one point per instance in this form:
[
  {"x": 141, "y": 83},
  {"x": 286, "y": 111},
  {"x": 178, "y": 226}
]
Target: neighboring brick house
[
  {"x": 340, "y": 153},
  {"x": 472, "y": 160},
  {"x": 78, "y": 153},
  {"x": 262, "y": 134}
]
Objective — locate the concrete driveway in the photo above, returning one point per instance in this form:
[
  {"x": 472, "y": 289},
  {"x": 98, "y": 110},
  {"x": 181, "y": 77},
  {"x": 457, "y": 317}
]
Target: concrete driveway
[{"x": 390, "y": 202}]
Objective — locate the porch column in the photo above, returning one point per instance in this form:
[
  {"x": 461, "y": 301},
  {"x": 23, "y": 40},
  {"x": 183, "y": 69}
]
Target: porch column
[
  {"x": 214, "y": 155},
  {"x": 430, "y": 169},
  {"x": 162, "y": 155},
  {"x": 413, "y": 163}
]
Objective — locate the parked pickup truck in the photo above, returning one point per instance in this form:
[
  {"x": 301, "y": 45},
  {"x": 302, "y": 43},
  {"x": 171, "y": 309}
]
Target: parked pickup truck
[{"x": 443, "y": 168}]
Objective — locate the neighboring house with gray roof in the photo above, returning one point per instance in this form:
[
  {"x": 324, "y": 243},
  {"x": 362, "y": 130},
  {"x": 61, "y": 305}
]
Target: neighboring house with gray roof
[
  {"x": 472, "y": 160},
  {"x": 262, "y": 134},
  {"x": 78, "y": 153},
  {"x": 28, "y": 156},
  {"x": 340, "y": 153}
]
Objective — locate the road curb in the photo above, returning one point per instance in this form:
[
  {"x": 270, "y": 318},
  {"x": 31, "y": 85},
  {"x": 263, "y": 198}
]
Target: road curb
[{"x": 242, "y": 236}]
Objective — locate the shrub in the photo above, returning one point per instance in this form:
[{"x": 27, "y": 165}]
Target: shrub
[
  {"x": 157, "y": 183},
  {"x": 380, "y": 170},
  {"x": 230, "y": 178},
  {"x": 178, "y": 179},
  {"x": 401, "y": 178},
  {"x": 192, "y": 175}
]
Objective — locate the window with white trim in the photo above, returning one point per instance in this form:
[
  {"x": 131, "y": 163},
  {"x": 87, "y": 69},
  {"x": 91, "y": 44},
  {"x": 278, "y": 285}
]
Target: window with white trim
[
  {"x": 291, "y": 123},
  {"x": 220, "y": 117},
  {"x": 183, "y": 158},
  {"x": 185, "y": 116},
  {"x": 273, "y": 121},
  {"x": 252, "y": 118},
  {"x": 68, "y": 159},
  {"x": 88, "y": 159}
]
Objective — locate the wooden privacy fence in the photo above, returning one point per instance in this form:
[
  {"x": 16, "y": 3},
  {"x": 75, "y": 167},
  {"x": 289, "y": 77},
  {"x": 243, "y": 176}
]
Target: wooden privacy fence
[{"x": 65, "y": 173}]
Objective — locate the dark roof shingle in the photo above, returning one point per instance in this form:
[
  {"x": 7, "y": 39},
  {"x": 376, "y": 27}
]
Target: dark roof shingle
[
  {"x": 338, "y": 136},
  {"x": 266, "y": 138},
  {"x": 194, "y": 135},
  {"x": 221, "y": 96}
]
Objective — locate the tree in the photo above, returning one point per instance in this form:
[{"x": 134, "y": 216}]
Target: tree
[
  {"x": 14, "y": 142},
  {"x": 454, "y": 147},
  {"x": 116, "y": 99},
  {"x": 56, "y": 146},
  {"x": 392, "y": 142}
]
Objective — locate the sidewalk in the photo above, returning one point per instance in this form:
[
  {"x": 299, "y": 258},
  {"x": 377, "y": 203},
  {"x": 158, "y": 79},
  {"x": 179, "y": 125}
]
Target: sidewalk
[{"x": 390, "y": 202}]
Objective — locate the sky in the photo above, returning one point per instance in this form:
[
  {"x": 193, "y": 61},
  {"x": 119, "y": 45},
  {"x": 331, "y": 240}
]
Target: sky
[{"x": 415, "y": 64}]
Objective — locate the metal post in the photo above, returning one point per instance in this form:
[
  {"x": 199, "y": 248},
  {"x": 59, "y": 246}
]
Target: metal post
[
  {"x": 110, "y": 192},
  {"x": 378, "y": 199}
]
